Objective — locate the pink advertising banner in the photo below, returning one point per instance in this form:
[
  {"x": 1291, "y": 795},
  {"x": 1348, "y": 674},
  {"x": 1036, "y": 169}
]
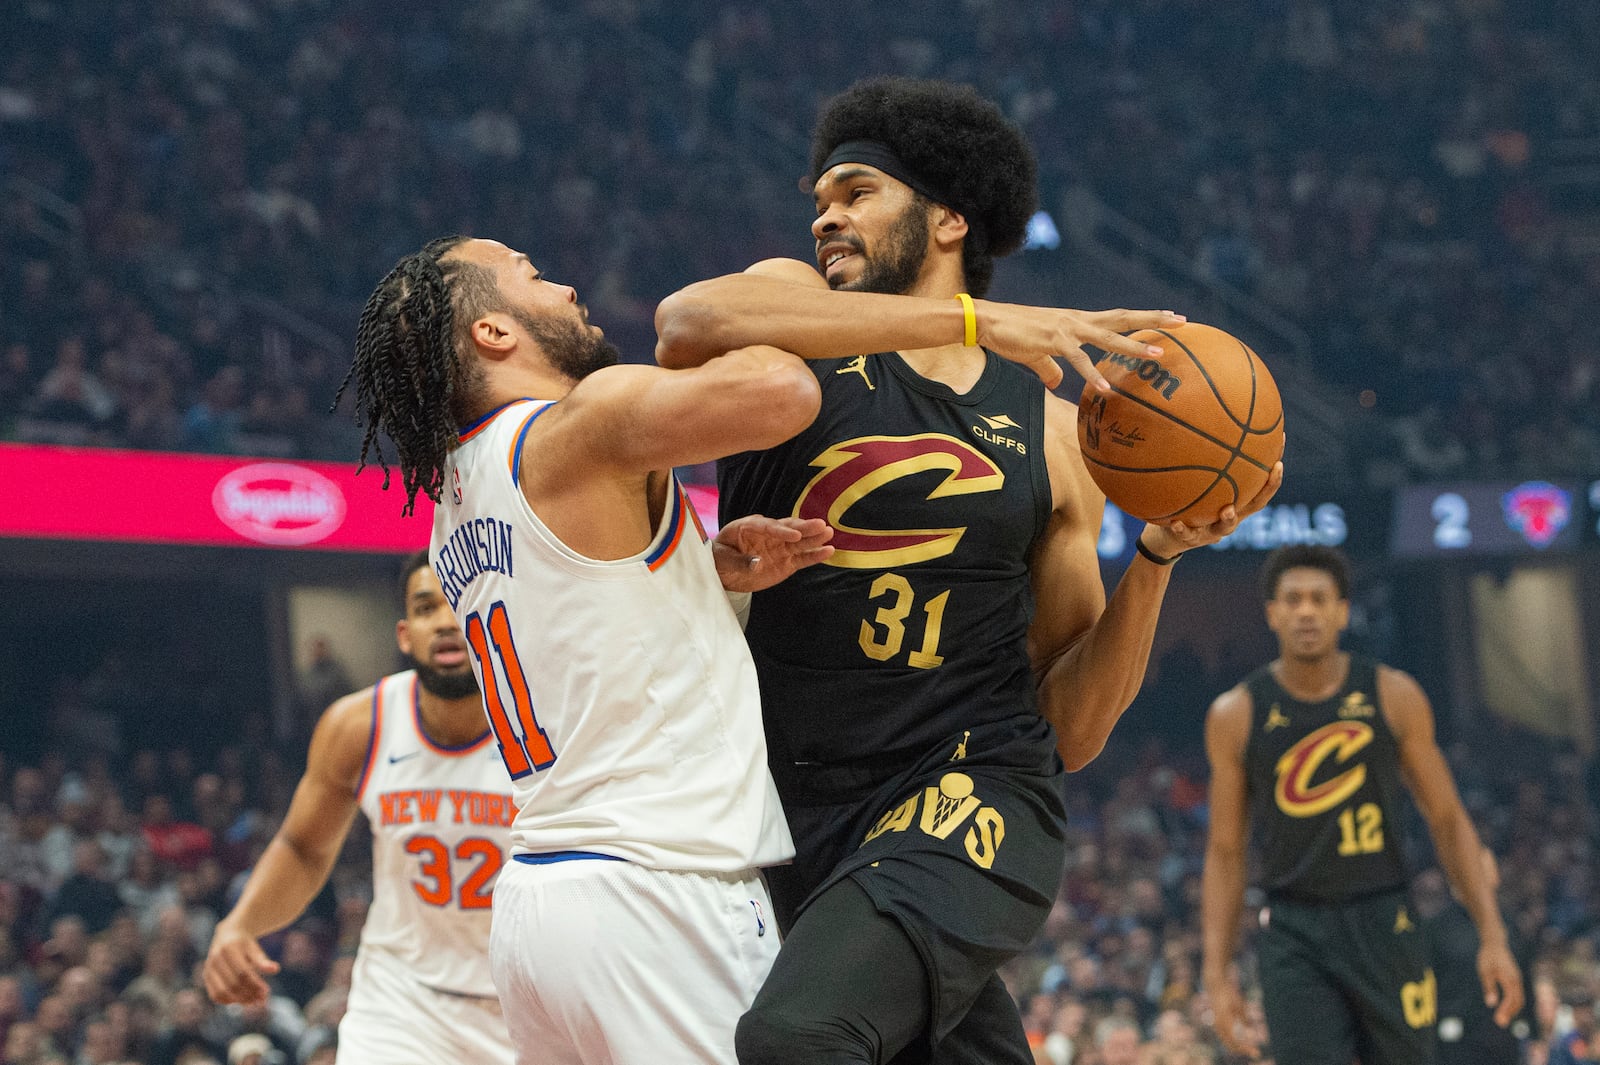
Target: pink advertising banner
[{"x": 61, "y": 493}]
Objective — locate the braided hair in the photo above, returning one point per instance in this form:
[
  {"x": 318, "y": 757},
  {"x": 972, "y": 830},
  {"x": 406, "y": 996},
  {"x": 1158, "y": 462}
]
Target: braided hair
[
  {"x": 414, "y": 377},
  {"x": 955, "y": 140}
]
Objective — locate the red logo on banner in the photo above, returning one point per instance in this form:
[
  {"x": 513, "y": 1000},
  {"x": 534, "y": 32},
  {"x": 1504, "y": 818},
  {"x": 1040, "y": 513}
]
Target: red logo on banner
[{"x": 279, "y": 503}]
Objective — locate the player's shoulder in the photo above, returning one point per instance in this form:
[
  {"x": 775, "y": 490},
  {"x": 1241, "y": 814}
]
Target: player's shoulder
[
  {"x": 801, "y": 273},
  {"x": 345, "y": 729},
  {"x": 1397, "y": 681},
  {"x": 1233, "y": 703},
  {"x": 1404, "y": 704},
  {"x": 1230, "y": 715}
]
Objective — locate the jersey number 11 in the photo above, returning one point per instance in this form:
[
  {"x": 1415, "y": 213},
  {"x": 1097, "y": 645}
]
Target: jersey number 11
[{"x": 531, "y": 750}]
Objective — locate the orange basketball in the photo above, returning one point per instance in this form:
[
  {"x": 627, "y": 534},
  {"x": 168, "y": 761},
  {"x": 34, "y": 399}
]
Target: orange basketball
[{"x": 1182, "y": 436}]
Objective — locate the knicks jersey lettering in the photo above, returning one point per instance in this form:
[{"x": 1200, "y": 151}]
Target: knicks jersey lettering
[
  {"x": 475, "y": 547},
  {"x": 453, "y": 806},
  {"x": 856, "y": 468}
]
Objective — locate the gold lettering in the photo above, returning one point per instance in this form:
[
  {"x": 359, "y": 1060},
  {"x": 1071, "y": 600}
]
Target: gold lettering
[
  {"x": 944, "y": 808},
  {"x": 988, "y": 831},
  {"x": 896, "y": 820},
  {"x": 1419, "y": 1000}
]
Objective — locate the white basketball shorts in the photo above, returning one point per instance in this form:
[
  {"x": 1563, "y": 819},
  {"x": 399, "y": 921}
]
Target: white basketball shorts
[
  {"x": 609, "y": 963},
  {"x": 391, "y": 1019}
]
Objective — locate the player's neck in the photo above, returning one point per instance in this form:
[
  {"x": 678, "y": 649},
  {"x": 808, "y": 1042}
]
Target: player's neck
[
  {"x": 451, "y": 722},
  {"x": 1311, "y": 680},
  {"x": 522, "y": 382},
  {"x": 953, "y": 364}
]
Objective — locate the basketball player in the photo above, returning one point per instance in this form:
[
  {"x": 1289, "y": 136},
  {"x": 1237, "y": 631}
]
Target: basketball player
[
  {"x": 1313, "y": 748},
  {"x": 903, "y": 682},
  {"x": 413, "y": 753},
  {"x": 632, "y": 923}
]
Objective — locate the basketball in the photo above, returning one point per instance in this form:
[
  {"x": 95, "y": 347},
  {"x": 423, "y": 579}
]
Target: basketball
[{"x": 1183, "y": 436}]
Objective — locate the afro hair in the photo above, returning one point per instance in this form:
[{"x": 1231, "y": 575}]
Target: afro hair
[{"x": 955, "y": 141}]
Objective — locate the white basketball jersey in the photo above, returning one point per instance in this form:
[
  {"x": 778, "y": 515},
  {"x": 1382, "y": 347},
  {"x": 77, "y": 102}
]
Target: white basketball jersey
[
  {"x": 440, "y": 821},
  {"x": 621, "y": 693}
]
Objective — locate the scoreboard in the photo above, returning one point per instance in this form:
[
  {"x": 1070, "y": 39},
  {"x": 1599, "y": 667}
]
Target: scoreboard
[
  {"x": 1494, "y": 518},
  {"x": 1467, "y": 519}
]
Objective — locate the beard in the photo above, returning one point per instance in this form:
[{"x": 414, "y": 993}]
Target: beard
[
  {"x": 446, "y": 683},
  {"x": 895, "y": 268},
  {"x": 573, "y": 349}
]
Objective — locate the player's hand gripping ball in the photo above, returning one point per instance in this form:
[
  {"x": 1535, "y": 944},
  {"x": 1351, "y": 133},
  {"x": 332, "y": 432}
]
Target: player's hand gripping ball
[{"x": 1182, "y": 436}]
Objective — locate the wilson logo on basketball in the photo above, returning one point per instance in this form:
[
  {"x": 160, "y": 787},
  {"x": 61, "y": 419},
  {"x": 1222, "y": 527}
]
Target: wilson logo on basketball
[
  {"x": 1296, "y": 794},
  {"x": 854, "y": 469},
  {"x": 279, "y": 503},
  {"x": 1149, "y": 370}
]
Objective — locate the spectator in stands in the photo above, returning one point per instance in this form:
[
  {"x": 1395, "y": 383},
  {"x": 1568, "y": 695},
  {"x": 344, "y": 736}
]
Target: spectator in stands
[
  {"x": 183, "y": 1032},
  {"x": 70, "y": 393},
  {"x": 88, "y": 894}
]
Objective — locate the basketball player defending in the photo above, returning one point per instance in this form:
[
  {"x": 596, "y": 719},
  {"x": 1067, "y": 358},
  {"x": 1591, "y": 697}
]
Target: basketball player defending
[
  {"x": 1313, "y": 747},
  {"x": 632, "y": 924},
  {"x": 412, "y": 752},
  {"x": 903, "y": 682}
]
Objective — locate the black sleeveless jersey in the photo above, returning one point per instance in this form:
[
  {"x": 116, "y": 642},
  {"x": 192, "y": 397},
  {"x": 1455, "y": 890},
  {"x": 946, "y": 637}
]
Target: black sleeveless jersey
[
  {"x": 916, "y": 628},
  {"x": 1324, "y": 790}
]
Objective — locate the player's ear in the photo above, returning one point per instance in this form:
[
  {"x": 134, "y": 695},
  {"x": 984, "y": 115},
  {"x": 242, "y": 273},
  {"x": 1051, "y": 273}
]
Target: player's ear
[
  {"x": 949, "y": 225},
  {"x": 402, "y": 636},
  {"x": 494, "y": 335}
]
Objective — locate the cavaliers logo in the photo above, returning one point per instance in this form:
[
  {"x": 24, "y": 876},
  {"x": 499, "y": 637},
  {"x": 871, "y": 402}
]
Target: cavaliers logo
[
  {"x": 854, "y": 469},
  {"x": 1296, "y": 795}
]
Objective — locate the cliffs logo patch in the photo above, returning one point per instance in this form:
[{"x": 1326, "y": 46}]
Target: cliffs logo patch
[
  {"x": 854, "y": 469},
  {"x": 279, "y": 503},
  {"x": 1299, "y": 793},
  {"x": 1538, "y": 510}
]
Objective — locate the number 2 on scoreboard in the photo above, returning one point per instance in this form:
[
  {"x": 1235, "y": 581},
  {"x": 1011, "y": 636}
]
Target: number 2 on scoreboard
[{"x": 530, "y": 750}]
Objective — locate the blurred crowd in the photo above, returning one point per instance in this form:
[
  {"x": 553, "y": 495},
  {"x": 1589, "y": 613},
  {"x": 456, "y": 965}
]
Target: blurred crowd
[
  {"x": 118, "y": 862},
  {"x": 198, "y": 194}
]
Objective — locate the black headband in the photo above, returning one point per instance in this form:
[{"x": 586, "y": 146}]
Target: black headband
[{"x": 880, "y": 156}]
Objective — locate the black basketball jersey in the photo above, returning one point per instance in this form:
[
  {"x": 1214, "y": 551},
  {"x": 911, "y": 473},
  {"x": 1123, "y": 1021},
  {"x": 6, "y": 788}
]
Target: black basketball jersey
[
  {"x": 1324, "y": 790},
  {"x": 916, "y": 628}
]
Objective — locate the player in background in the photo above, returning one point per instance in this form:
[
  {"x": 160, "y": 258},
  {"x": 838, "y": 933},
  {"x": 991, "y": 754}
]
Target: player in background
[
  {"x": 632, "y": 924},
  {"x": 1313, "y": 749},
  {"x": 903, "y": 682},
  {"x": 412, "y": 753}
]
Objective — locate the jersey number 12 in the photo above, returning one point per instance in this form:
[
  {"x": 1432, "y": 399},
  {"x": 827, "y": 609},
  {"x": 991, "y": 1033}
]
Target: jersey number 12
[{"x": 524, "y": 747}]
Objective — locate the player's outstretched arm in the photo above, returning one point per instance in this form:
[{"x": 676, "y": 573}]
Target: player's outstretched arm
[
  {"x": 1410, "y": 718},
  {"x": 630, "y": 419},
  {"x": 1222, "y": 884},
  {"x": 785, "y": 302},
  {"x": 297, "y": 862}
]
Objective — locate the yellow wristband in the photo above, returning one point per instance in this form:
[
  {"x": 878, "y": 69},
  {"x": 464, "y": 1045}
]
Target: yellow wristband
[{"x": 970, "y": 337}]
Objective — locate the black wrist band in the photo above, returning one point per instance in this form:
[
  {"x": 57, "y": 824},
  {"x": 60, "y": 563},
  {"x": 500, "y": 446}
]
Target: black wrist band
[{"x": 1151, "y": 555}]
